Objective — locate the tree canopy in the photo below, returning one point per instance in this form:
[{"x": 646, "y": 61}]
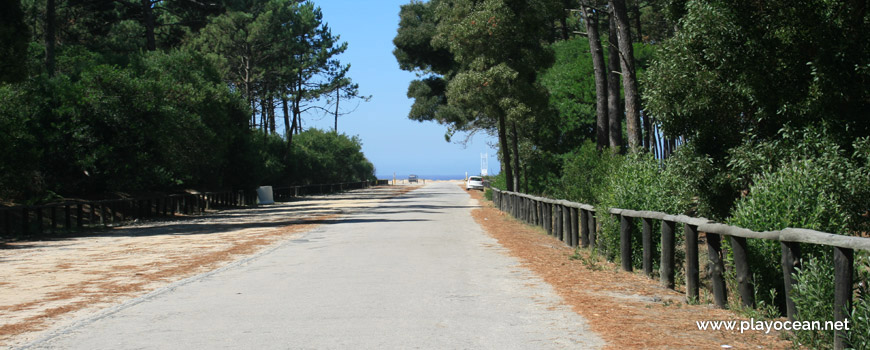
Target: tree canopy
[{"x": 127, "y": 96}]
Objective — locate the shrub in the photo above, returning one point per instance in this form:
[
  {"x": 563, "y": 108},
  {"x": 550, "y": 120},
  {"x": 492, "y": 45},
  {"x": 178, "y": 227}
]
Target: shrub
[
  {"x": 585, "y": 173},
  {"x": 639, "y": 182},
  {"x": 814, "y": 187},
  {"x": 860, "y": 315},
  {"x": 319, "y": 157},
  {"x": 813, "y": 296}
]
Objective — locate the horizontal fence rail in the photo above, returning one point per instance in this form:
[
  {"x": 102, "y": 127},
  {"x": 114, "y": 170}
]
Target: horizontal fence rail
[
  {"x": 75, "y": 216},
  {"x": 575, "y": 225}
]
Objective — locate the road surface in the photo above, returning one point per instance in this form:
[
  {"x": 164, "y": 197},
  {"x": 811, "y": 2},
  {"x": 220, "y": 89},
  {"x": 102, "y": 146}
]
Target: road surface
[{"x": 415, "y": 272}]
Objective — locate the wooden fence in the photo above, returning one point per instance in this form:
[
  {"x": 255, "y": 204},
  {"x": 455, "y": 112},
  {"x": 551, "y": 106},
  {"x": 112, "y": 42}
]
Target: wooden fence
[
  {"x": 73, "y": 216},
  {"x": 575, "y": 224}
]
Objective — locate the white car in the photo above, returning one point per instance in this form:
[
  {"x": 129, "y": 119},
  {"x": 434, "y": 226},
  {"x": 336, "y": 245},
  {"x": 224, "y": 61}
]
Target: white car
[{"x": 474, "y": 183}]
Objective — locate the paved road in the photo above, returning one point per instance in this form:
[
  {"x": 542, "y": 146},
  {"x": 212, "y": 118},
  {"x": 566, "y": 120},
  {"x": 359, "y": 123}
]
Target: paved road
[{"x": 416, "y": 272}]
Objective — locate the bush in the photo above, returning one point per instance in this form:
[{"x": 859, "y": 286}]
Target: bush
[
  {"x": 813, "y": 296},
  {"x": 639, "y": 182},
  {"x": 320, "y": 157},
  {"x": 815, "y": 186},
  {"x": 860, "y": 316},
  {"x": 165, "y": 120},
  {"x": 585, "y": 173}
]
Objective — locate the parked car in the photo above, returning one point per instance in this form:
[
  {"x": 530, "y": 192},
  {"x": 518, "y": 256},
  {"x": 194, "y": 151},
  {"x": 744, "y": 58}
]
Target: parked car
[
  {"x": 474, "y": 183},
  {"x": 412, "y": 178}
]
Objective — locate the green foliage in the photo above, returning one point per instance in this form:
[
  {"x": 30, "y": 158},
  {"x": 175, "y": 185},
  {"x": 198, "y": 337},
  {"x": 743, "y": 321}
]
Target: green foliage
[
  {"x": 813, "y": 295},
  {"x": 585, "y": 173},
  {"x": 859, "y": 318},
  {"x": 639, "y": 182},
  {"x": 572, "y": 89},
  {"x": 166, "y": 120},
  {"x": 326, "y": 157},
  {"x": 14, "y": 36},
  {"x": 807, "y": 182},
  {"x": 734, "y": 70},
  {"x": 117, "y": 118},
  {"x": 479, "y": 61},
  {"x": 498, "y": 181}
]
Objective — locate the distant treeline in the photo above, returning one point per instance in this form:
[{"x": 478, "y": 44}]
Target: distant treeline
[{"x": 107, "y": 96}]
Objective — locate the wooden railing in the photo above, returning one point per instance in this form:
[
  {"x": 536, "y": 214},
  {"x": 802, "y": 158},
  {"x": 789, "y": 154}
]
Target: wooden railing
[
  {"x": 575, "y": 224},
  {"x": 74, "y": 216}
]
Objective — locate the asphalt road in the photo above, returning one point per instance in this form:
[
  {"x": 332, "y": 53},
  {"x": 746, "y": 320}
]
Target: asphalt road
[{"x": 416, "y": 272}]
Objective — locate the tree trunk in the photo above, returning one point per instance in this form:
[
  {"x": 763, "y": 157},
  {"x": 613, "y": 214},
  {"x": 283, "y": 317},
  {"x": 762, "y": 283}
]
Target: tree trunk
[
  {"x": 600, "y": 71},
  {"x": 650, "y": 126},
  {"x": 629, "y": 76},
  {"x": 297, "y": 108},
  {"x": 148, "y": 17},
  {"x": 253, "y": 105},
  {"x": 563, "y": 20},
  {"x": 287, "y": 132},
  {"x": 248, "y": 93},
  {"x": 264, "y": 121},
  {"x": 293, "y": 128},
  {"x": 337, "y": 99},
  {"x": 636, "y": 10},
  {"x": 614, "y": 103},
  {"x": 272, "y": 125},
  {"x": 50, "y": 19},
  {"x": 515, "y": 149},
  {"x": 647, "y": 132},
  {"x": 504, "y": 148}
]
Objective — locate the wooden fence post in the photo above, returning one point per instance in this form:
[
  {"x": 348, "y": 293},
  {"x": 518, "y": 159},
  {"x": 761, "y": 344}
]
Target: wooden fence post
[
  {"x": 692, "y": 277},
  {"x": 742, "y": 272},
  {"x": 575, "y": 227},
  {"x": 625, "y": 228},
  {"x": 7, "y": 224},
  {"x": 53, "y": 212},
  {"x": 646, "y": 238},
  {"x": 92, "y": 213},
  {"x": 791, "y": 260},
  {"x": 25, "y": 224},
  {"x": 843, "y": 270},
  {"x": 79, "y": 214},
  {"x": 545, "y": 210},
  {"x": 103, "y": 214},
  {"x": 39, "y": 220},
  {"x": 557, "y": 219},
  {"x": 532, "y": 211},
  {"x": 113, "y": 209},
  {"x": 666, "y": 272},
  {"x": 584, "y": 228},
  {"x": 566, "y": 225},
  {"x": 717, "y": 270},
  {"x": 593, "y": 232}
]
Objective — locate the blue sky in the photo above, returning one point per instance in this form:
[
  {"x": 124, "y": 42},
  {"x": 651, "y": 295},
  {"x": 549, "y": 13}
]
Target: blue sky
[{"x": 390, "y": 140}]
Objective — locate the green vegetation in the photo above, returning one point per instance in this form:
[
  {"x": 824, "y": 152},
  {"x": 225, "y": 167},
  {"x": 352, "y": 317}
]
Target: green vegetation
[
  {"x": 110, "y": 96},
  {"x": 750, "y": 114}
]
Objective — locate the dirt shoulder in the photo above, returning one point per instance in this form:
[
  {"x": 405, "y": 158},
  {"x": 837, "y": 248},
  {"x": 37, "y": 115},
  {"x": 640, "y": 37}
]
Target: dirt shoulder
[
  {"x": 628, "y": 310},
  {"x": 49, "y": 284}
]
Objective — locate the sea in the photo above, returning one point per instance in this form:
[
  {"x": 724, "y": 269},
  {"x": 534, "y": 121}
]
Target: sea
[{"x": 427, "y": 177}]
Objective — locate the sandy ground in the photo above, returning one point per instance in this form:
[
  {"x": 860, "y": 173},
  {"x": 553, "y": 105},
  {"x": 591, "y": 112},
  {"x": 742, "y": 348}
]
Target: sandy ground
[
  {"x": 48, "y": 284},
  {"x": 629, "y": 310}
]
